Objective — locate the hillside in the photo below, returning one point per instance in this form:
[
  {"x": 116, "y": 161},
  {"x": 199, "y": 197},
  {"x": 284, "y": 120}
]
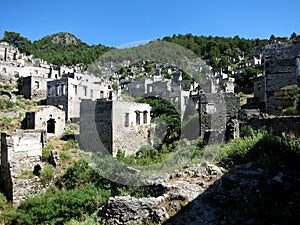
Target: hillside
[
  {"x": 218, "y": 50},
  {"x": 60, "y": 49},
  {"x": 66, "y": 49}
]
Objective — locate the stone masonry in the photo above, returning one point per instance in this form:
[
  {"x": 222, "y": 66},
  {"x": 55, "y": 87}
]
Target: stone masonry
[
  {"x": 49, "y": 118},
  {"x": 20, "y": 152},
  {"x": 216, "y": 110},
  {"x": 114, "y": 125}
]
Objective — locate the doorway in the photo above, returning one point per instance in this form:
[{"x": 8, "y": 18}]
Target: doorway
[{"x": 51, "y": 126}]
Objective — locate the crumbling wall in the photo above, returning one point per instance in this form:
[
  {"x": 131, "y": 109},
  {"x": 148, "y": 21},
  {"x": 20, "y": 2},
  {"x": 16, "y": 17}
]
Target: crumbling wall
[
  {"x": 277, "y": 125},
  {"x": 216, "y": 110},
  {"x": 110, "y": 126},
  {"x": 131, "y": 136},
  {"x": 20, "y": 152},
  {"x": 34, "y": 87}
]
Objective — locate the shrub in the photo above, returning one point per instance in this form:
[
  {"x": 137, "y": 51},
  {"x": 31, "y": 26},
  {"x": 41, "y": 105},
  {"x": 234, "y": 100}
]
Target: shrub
[
  {"x": 47, "y": 174},
  {"x": 60, "y": 207},
  {"x": 146, "y": 151},
  {"x": 46, "y": 152},
  {"x": 3, "y": 200},
  {"x": 64, "y": 155}
]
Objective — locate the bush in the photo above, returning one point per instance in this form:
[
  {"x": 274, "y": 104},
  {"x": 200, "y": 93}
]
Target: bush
[
  {"x": 146, "y": 151},
  {"x": 64, "y": 155},
  {"x": 60, "y": 207},
  {"x": 3, "y": 201},
  {"x": 79, "y": 174},
  {"x": 47, "y": 174},
  {"x": 46, "y": 152}
]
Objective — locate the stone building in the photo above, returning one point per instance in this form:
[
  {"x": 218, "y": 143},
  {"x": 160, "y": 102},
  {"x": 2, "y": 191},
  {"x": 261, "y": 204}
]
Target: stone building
[
  {"x": 282, "y": 71},
  {"x": 20, "y": 153},
  {"x": 67, "y": 92},
  {"x": 216, "y": 112},
  {"x": 109, "y": 126},
  {"x": 9, "y": 52},
  {"x": 177, "y": 92},
  {"x": 49, "y": 118},
  {"x": 34, "y": 88}
]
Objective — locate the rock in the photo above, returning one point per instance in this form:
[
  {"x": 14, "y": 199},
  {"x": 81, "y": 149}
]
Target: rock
[{"x": 160, "y": 215}]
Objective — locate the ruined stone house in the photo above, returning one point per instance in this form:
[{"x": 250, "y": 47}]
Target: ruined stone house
[
  {"x": 67, "y": 92},
  {"x": 218, "y": 114},
  {"x": 48, "y": 118},
  {"x": 33, "y": 88},
  {"x": 21, "y": 153},
  {"x": 281, "y": 72},
  {"x": 177, "y": 92},
  {"x": 109, "y": 126},
  {"x": 9, "y": 52}
]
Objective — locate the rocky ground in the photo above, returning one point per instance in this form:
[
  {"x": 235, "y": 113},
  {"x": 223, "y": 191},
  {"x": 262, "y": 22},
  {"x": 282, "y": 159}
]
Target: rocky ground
[{"x": 209, "y": 194}]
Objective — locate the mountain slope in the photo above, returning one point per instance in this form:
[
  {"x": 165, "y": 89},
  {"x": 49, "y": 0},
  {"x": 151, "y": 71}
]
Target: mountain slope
[{"x": 65, "y": 49}]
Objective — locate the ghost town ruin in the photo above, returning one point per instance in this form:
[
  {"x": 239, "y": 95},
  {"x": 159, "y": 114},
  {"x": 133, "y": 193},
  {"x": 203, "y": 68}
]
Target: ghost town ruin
[
  {"x": 117, "y": 125},
  {"x": 107, "y": 122}
]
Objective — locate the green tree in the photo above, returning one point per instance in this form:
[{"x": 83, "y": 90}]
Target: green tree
[
  {"x": 245, "y": 78},
  {"x": 16, "y": 39},
  {"x": 293, "y": 35}
]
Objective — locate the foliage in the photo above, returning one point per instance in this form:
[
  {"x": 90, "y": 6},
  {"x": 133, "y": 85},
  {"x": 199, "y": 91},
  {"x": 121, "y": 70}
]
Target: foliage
[
  {"x": 47, "y": 174},
  {"x": 246, "y": 77},
  {"x": 3, "y": 201},
  {"x": 294, "y": 96},
  {"x": 46, "y": 152},
  {"x": 146, "y": 151},
  {"x": 60, "y": 207},
  {"x": 59, "y": 52},
  {"x": 170, "y": 125},
  {"x": 213, "y": 48},
  {"x": 26, "y": 175},
  {"x": 16, "y": 39},
  {"x": 273, "y": 151},
  {"x": 79, "y": 174},
  {"x": 86, "y": 220}
]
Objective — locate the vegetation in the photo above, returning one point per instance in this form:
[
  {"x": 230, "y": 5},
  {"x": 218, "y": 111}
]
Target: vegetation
[
  {"x": 294, "y": 97},
  {"x": 169, "y": 127},
  {"x": 246, "y": 77},
  {"x": 217, "y": 50},
  {"x": 59, "y": 49}
]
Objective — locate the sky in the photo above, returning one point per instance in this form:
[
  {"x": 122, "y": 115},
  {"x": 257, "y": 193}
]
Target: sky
[{"x": 115, "y": 23}]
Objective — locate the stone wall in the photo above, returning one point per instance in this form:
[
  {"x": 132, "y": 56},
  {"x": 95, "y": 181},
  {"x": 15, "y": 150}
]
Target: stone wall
[
  {"x": 90, "y": 132},
  {"x": 13, "y": 114},
  {"x": 216, "y": 110},
  {"x": 34, "y": 88},
  {"x": 179, "y": 189},
  {"x": 130, "y": 135},
  {"x": 20, "y": 152},
  {"x": 49, "y": 118},
  {"x": 117, "y": 126},
  {"x": 277, "y": 125},
  {"x": 282, "y": 69}
]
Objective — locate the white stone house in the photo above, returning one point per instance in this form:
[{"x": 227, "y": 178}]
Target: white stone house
[
  {"x": 48, "y": 118},
  {"x": 67, "y": 92}
]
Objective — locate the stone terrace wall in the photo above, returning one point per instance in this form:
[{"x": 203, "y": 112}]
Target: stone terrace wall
[
  {"x": 20, "y": 152},
  {"x": 277, "y": 125}
]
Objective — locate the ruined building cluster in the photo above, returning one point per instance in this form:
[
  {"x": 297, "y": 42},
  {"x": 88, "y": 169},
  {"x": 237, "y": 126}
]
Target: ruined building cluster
[{"x": 110, "y": 124}]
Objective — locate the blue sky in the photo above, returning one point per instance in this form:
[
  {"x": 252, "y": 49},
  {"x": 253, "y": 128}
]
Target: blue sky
[{"x": 114, "y": 23}]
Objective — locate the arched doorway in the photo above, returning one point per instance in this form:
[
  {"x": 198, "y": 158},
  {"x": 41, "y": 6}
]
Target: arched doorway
[{"x": 51, "y": 126}]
